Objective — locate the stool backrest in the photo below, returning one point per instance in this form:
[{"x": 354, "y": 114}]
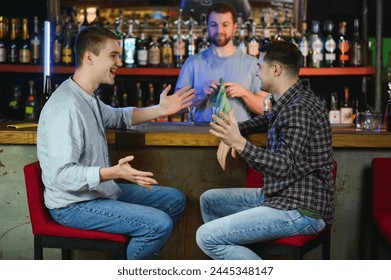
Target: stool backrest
[{"x": 381, "y": 184}]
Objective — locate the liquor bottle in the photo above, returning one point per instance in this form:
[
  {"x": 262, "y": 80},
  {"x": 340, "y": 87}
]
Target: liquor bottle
[
  {"x": 356, "y": 58},
  {"x": 47, "y": 92},
  {"x": 30, "y": 111},
  {"x": 346, "y": 109},
  {"x": 266, "y": 36},
  {"x": 151, "y": 95},
  {"x": 389, "y": 108},
  {"x": 191, "y": 38},
  {"x": 13, "y": 47},
  {"x": 343, "y": 51},
  {"x": 179, "y": 43},
  {"x": 114, "y": 102},
  {"x": 125, "y": 102},
  {"x": 3, "y": 45},
  {"x": 67, "y": 49},
  {"x": 15, "y": 108},
  {"x": 25, "y": 44},
  {"x": 57, "y": 42},
  {"x": 130, "y": 46},
  {"x": 36, "y": 43},
  {"x": 142, "y": 51},
  {"x": 316, "y": 46},
  {"x": 98, "y": 19},
  {"x": 154, "y": 53},
  {"x": 166, "y": 47},
  {"x": 253, "y": 41},
  {"x": 139, "y": 96},
  {"x": 119, "y": 27},
  {"x": 330, "y": 45},
  {"x": 241, "y": 43},
  {"x": 303, "y": 44},
  {"x": 204, "y": 44},
  {"x": 84, "y": 24},
  {"x": 334, "y": 113}
]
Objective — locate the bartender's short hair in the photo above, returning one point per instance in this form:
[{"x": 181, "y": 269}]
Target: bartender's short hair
[
  {"x": 222, "y": 8},
  {"x": 91, "y": 39},
  {"x": 288, "y": 54}
]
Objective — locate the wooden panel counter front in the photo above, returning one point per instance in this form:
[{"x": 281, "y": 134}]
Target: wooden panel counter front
[{"x": 183, "y": 156}]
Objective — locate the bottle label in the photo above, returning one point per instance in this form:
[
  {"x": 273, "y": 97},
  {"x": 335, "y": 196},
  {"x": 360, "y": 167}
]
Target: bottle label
[
  {"x": 344, "y": 47},
  {"x": 142, "y": 57},
  {"x": 330, "y": 56},
  {"x": 129, "y": 50},
  {"x": 179, "y": 50},
  {"x": 346, "y": 115},
  {"x": 35, "y": 46},
  {"x": 154, "y": 56},
  {"x": 335, "y": 116},
  {"x": 24, "y": 56},
  {"x": 253, "y": 48},
  {"x": 167, "y": 55},
  {"x": 66, "y": 55},
  {"x": 57, "y": 52},
  {"x": 304, "y": 47},
  {"x": 330, "y": 45},
  {"x": 317, "y": 45},
  {"x": 3, "y": 55}
]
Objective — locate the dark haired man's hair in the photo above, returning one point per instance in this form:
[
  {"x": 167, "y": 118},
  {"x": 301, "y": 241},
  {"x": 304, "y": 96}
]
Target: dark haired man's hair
[
  {"x": 91, "y": 39},
  {"x": 222, "y": 8},
  {"x": 286, "y": 53}
]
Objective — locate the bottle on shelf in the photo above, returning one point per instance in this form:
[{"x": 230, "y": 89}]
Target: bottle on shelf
[
  {"x": 346, "y": 108},
  {"x": 356, "y": 57},
  {"x": 67, "y": 47},
  {"x": 125, "y": 102},
  {"x": 266, "y": 34},
  {"x": 334, "y": 112},
  {"x": 343, "y": 51},
  {"x": 154, "y": 52},
  {"x": 316, "y": 46},
  {"x": 166, "y": 46},
  {"x": 13, "y": 46},
  {"x": 84, "y": 23},
  {"x": 57, "y": 43},
  {"x": 142, "y": 50},
  {"x": 30, "y": 109},
  {"x": 253, "y": 41},
  {"x": 36, "y": 43},
  {"x": 120, "y": 22},
  {"x": 139, "y": 96},
  {"x": 330, "y": 46},
  {"x": 15, "y": 108},
  {"x": 179, "y": 45},
  {"x": 303, "y": 44},
  {"x": 130, "y": 41},
  {"x": 25, "y": 44},
  {"x": 151, "y": 95},
  {"x": 47, "y": 93},
  {"x": 3, "y": 45},
  {"x": 114, "y": 102},
  {"x": 241, "y": 42},
  {"x": 98, "y": 19}
]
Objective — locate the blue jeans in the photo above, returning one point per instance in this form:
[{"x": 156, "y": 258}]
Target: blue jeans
[
  {"x": 235, "y": 217},
  {"x": 148, "y": 216}
]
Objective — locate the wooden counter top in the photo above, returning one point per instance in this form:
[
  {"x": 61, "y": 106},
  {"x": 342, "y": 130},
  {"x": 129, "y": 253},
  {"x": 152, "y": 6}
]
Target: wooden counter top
[{"x": 184, "y": 134}]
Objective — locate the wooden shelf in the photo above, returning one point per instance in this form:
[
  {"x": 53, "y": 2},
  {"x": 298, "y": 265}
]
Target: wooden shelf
[{"x": 336, "y": 71}]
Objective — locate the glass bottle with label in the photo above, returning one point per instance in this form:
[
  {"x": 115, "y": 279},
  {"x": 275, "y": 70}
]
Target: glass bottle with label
[
  {"x": 303, "y": 44},
  {"x": 142, "y": 51},
  {"x": 139, "y": 96},
  {"x": 330, "y": 45},
  {"x": 151, "y": 95},
  {"x": 154, "y": 53},
  {"x": 114, "y": 102},
  {"x": 3, "y": 45},
  {"x": 334, "y": 113},
  {"x": 316, "y": 46},
  {"x": 13, "y": 47},
  {"x": 356, "y": 58},
  {"x": 119, "y": 29},
  {"x": 15, "y": 108},
  {"x": 242, "y": 44},
  {"x": 36, "y": 43},
  {"x": 204, "y": 44},
  {"x": 343, "y": 51},
  {"x": 253, "y": 41},
  {"x": 191, "y": 38},
  {"x": 166, "y": 47},
  {"x": 25, "y": 45},
  {"x": 346, "y": 109},
  {"x": 57, "y": 42},
  {"x": 130, "y": 46},
  {"x": 67, "y": 48},
  {"x": 30, "y": 112}
]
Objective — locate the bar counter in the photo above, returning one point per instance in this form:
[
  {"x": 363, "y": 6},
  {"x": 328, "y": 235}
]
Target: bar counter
[{"x": 183, "y": 156}]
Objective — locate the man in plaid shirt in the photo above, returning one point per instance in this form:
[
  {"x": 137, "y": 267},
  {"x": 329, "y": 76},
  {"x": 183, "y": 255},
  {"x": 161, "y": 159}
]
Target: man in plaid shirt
[{"x": 297, "y": 163}]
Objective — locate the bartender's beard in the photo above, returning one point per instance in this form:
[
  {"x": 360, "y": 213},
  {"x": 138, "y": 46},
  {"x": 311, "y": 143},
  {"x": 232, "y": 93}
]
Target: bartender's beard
[{"x": 220, "y": 40}]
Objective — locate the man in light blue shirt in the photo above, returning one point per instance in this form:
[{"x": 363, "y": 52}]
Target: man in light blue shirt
[
  {"x": 80, "y": 190},
  {"x": 222, "y": 59}
]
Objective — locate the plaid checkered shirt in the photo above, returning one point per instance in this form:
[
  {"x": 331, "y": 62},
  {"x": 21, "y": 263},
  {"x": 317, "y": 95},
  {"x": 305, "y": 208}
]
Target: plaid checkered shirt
[{"x": 298, "y": 159}]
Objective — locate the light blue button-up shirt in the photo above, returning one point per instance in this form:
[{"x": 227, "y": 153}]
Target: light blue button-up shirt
[{"x": 72, "y": 145}]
